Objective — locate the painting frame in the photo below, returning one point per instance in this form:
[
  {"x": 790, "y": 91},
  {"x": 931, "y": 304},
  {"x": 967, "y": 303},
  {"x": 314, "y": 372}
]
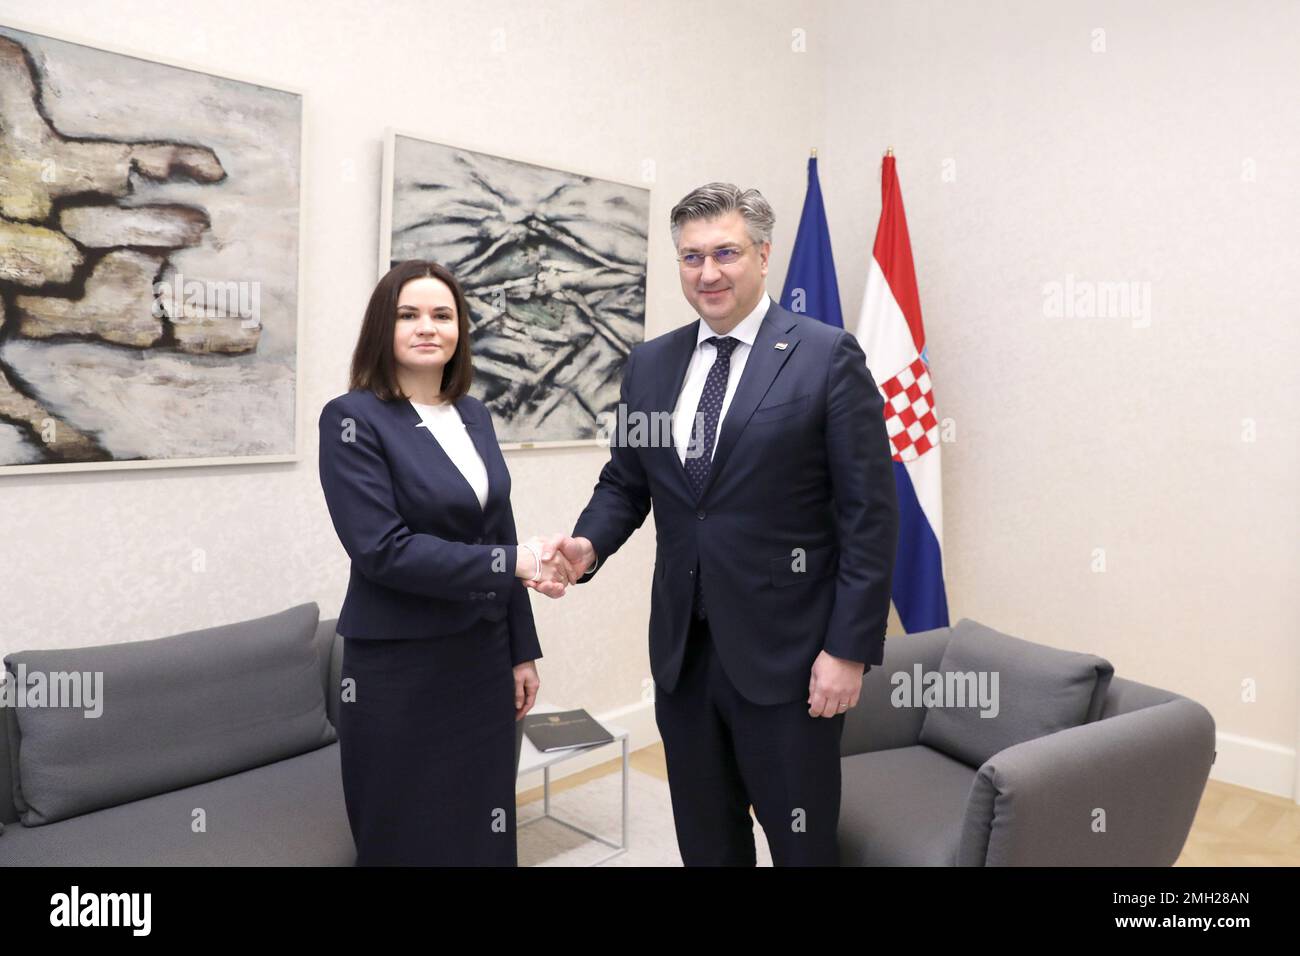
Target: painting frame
[{"x": 299, "y": 271}]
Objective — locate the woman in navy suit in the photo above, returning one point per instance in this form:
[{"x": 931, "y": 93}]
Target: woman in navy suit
[{"x": 439, "y": 641}]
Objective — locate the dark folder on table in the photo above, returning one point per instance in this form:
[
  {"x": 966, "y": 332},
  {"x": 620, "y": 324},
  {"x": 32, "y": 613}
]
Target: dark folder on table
[{"x": 564, "y": 730}]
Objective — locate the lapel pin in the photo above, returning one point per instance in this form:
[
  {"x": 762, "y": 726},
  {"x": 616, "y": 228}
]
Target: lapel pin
[{"x": 780, "y": 345}]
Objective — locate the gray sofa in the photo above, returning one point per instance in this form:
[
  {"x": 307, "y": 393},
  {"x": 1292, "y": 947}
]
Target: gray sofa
[
  {"x": 1075, "y": 768},
  {"x": 217, "y": 748},
  {"x": 213, "y": 748}
]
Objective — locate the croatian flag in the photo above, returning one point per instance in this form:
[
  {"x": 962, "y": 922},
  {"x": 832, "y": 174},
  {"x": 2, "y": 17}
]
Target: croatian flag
[{"x": 890, "y": 332}]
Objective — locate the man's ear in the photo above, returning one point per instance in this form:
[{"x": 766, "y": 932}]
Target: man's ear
[{"x": 764, "y": 251}]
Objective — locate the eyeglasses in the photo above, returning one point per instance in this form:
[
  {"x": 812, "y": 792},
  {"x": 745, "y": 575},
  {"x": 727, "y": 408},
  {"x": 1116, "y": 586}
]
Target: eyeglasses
[{"x": 723, "y": 257}]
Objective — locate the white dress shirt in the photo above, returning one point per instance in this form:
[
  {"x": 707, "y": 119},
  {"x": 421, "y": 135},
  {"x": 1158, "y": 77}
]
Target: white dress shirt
[
  {"x": 445, "y": 424},
  {"x": 697, "y": 372}
]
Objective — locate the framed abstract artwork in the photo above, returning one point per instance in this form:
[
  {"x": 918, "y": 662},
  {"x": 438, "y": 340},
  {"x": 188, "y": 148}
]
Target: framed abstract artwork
[
  {"x": 553, "y": 264},
  {"x": 150, "y": 274}
]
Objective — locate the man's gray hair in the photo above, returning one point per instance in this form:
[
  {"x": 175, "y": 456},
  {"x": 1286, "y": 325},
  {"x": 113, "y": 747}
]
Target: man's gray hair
[{"x": 718, "y": 199}]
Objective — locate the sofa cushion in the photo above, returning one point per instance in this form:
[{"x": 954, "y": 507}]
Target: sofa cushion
[
  {"x": 902, "y": 807},
  {"x": 289, "y": 813},
  {"x": 1039, "y": 691},
  {"x": 175, "y": 711}
]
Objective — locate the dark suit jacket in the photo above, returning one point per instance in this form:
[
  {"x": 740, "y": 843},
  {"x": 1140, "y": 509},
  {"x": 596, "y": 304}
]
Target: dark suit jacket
[
  {"x": 795, "y": 532},
  {"x": 426, "y": 559}
]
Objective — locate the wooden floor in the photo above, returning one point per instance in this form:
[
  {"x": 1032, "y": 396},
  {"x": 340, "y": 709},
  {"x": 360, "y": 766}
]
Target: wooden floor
[{"x": 1234, "y": 826}]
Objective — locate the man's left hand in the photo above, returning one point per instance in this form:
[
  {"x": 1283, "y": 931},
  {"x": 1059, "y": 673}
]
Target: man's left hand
[{"x": 834, "y": 686}]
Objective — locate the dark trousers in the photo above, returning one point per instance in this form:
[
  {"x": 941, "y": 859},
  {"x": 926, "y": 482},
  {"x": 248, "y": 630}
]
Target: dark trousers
[{"x": 725, "y": 754}]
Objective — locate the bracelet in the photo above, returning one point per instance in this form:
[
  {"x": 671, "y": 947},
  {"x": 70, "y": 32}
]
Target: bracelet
[{"x": 537, "y": 560}]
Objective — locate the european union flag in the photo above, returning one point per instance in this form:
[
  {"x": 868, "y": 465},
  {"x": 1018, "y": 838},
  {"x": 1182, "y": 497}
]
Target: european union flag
[{"x": 810, "y": 286}]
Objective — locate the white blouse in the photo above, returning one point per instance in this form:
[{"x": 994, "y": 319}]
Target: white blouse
[{"x": 445, "y": 424}]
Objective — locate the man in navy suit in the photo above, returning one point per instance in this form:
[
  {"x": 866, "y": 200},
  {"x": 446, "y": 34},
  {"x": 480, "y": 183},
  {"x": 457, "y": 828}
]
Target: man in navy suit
[{"x": 777, "y": 523}]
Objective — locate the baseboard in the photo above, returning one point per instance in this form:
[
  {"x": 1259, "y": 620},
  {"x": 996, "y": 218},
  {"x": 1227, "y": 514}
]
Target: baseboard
[
  {"x": 637, "y": 719},
  {"x": 1257, "y": 764}
]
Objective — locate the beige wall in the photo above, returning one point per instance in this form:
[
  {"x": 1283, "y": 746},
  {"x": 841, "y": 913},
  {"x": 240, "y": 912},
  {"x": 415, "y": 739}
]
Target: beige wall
[
  {"x": 1072, "y": 434},
  {"x": 1075, "y": 434}
]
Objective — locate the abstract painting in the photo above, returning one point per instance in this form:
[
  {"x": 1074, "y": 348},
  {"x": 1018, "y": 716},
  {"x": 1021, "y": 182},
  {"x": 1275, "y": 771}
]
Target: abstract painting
[
  {"x": 553, "y": 264},
  {"x": 149, "y": 301}
]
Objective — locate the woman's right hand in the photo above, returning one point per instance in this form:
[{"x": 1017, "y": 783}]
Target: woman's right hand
[{"x": 555, "y": 575}]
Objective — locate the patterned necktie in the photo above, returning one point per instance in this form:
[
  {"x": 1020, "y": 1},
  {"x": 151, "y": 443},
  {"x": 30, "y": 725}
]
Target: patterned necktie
[{"x": 699, "y": 453}]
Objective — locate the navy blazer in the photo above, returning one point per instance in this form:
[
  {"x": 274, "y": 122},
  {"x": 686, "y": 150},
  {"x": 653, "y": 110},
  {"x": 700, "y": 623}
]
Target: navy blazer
[
  {"x": 426, "y": 559},
  {"x": 795, "y": 532}
]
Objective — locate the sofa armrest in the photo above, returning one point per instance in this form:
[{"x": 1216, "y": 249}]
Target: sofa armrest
[
  {"x": 875, "y": 723},
  {"x": 1116, "y": 792}
]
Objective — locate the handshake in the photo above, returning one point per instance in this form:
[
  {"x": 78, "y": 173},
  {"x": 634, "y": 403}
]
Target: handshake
[{"x": 550, "y": 564}]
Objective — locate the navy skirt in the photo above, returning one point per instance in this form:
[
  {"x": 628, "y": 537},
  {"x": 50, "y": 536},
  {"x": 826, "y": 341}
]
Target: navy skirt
[{"x": 429, "y": 747}]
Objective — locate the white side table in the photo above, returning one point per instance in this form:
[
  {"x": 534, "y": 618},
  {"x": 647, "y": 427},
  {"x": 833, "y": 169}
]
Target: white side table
[{"x": 531, "y": 759}]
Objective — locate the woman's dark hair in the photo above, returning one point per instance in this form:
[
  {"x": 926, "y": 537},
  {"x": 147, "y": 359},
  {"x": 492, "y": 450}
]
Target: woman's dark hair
[{"x": 373, "y": 364}]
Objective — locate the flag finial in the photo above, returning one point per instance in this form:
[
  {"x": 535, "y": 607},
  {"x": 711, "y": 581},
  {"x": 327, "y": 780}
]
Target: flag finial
[
  {"x": 889, "y": 151},
  {"x": 814, "y": 152}
]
